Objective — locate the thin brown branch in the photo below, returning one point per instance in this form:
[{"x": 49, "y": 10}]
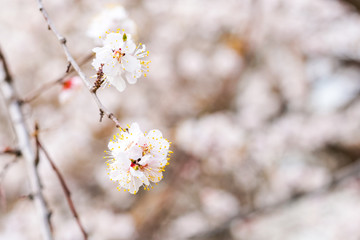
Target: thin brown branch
[
  {"x": 25, "y": 146},
  {"x": 2, "y": 176},
  {"x": 354, "y": 3},
  {"x": 63, "y": 185},
  {"x": 6, "y": 168},
  {"x": 68, "y": 68},
  {"x": 8, "y": 77},
  {"x": 46, "y": 86},
  {"x": 2, "y": 197},
  {"x": 36, "y": 163},
  {"x": 10, "y": 151},
  {"x": 74, "y": 64}
]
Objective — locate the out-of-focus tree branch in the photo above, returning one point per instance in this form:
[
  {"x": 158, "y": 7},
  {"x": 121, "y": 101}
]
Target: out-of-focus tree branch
[
  {"x": 62, "y": 40},
  {"x": 6, "y": 167},
  {"x": 63, "y": 184},
  {"x": 10, "y": 151},
  {"x": 2, "y": 175},
  {"x": 27, "y": 149},
  {"x": 340, "y": 177},
  {"x": 354, "y": 3},
  {"x": 46, "y": 86}
]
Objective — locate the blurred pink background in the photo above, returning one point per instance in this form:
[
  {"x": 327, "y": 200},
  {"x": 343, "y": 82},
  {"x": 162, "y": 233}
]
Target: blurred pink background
[{"x": 260, "y": 99}]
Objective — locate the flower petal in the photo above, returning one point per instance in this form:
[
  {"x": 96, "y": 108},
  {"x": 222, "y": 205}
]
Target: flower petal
[{"x": 118, "y": 83}]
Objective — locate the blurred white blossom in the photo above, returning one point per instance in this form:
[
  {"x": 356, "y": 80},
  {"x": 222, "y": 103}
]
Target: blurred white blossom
[
  {"x": 219, "y": 141},
  {"x": 218, "y": 204},
  {"x": 69, "y": 89},
  {"x": 187, "y": 225},
  {"x": 111, "y": 18}
]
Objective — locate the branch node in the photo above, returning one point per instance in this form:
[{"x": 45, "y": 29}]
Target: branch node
[
  {"x": 101, "y": 114},
  {"x": 17, "y": 153},
  {"x": 68, "y": 67},
  {"x": 62, "y": 40},
  {"x": 20, "y": 102},
  {"x": 30, "y": 196}
]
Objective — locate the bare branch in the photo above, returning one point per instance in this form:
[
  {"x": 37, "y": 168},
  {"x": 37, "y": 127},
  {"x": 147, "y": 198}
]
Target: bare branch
[
  {"x": 10, "y": 151},
  {"x": 63, "y": 185},
  {"x": 68, "y": 68},
  {"x": 354, "y": 3},
  {"x": 2, "y": 175},
  {"x": 2, "y": 197},
  {"x": 46, "y": 86},
  {"x": 8, "y": 77},
  {"x": 74, "y": 64},
  {"x": 26, "y": 147},
  {"x": 6, "y": 167}
]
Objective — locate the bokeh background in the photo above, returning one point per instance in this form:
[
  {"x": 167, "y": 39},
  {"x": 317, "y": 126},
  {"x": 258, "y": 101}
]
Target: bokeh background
[{"x": 260, "y": 99}]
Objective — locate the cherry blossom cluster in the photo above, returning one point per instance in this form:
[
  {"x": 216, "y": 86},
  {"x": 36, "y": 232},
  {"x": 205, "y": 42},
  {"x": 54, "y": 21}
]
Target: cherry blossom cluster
[
  {"x": 136, "y": 159},
  {"x": 119, "y": 59}
]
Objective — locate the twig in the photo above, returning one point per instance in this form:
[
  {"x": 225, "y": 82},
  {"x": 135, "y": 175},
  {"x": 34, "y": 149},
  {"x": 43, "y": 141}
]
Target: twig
[
  {"x": 36, "y": 163},
  {"x": 32, "y": 96},
  {"x": 46, "y": 86},
  {"x": 354, "y": 3},
  {"x": 76, "y": 67},
  {"x": 68, "y": 68},
  {"x": 2, "y": 175},
  {"x": 27, "y": 149},
  {"x": 63, "y": 185},
  {"x": 6, "y": 167},
  {"x": 10, "y": 151},
  {"x": 339, "y": 177},
  {"x": 8, "y": 77},
  {"x": 2, "y": 197}
]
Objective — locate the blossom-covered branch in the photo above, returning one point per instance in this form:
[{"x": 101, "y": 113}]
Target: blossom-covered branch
[
  {"x": 63, "y": 185},
  {"x": 27, "y": 149},
  {"x": 62, "y": 40}
]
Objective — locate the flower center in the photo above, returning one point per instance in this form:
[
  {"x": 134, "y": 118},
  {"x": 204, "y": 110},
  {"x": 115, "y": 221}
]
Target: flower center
[
  {"x": 118, "y": 54},
  {"x": 145, "y": 149},
  {"x": 136, "y": 165}
]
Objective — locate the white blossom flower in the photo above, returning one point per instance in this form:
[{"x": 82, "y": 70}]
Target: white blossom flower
[
  {"x": 110, "y": 19},
  {"x": 120, "y": 59},
  {"x": 137, "y": 159}
]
